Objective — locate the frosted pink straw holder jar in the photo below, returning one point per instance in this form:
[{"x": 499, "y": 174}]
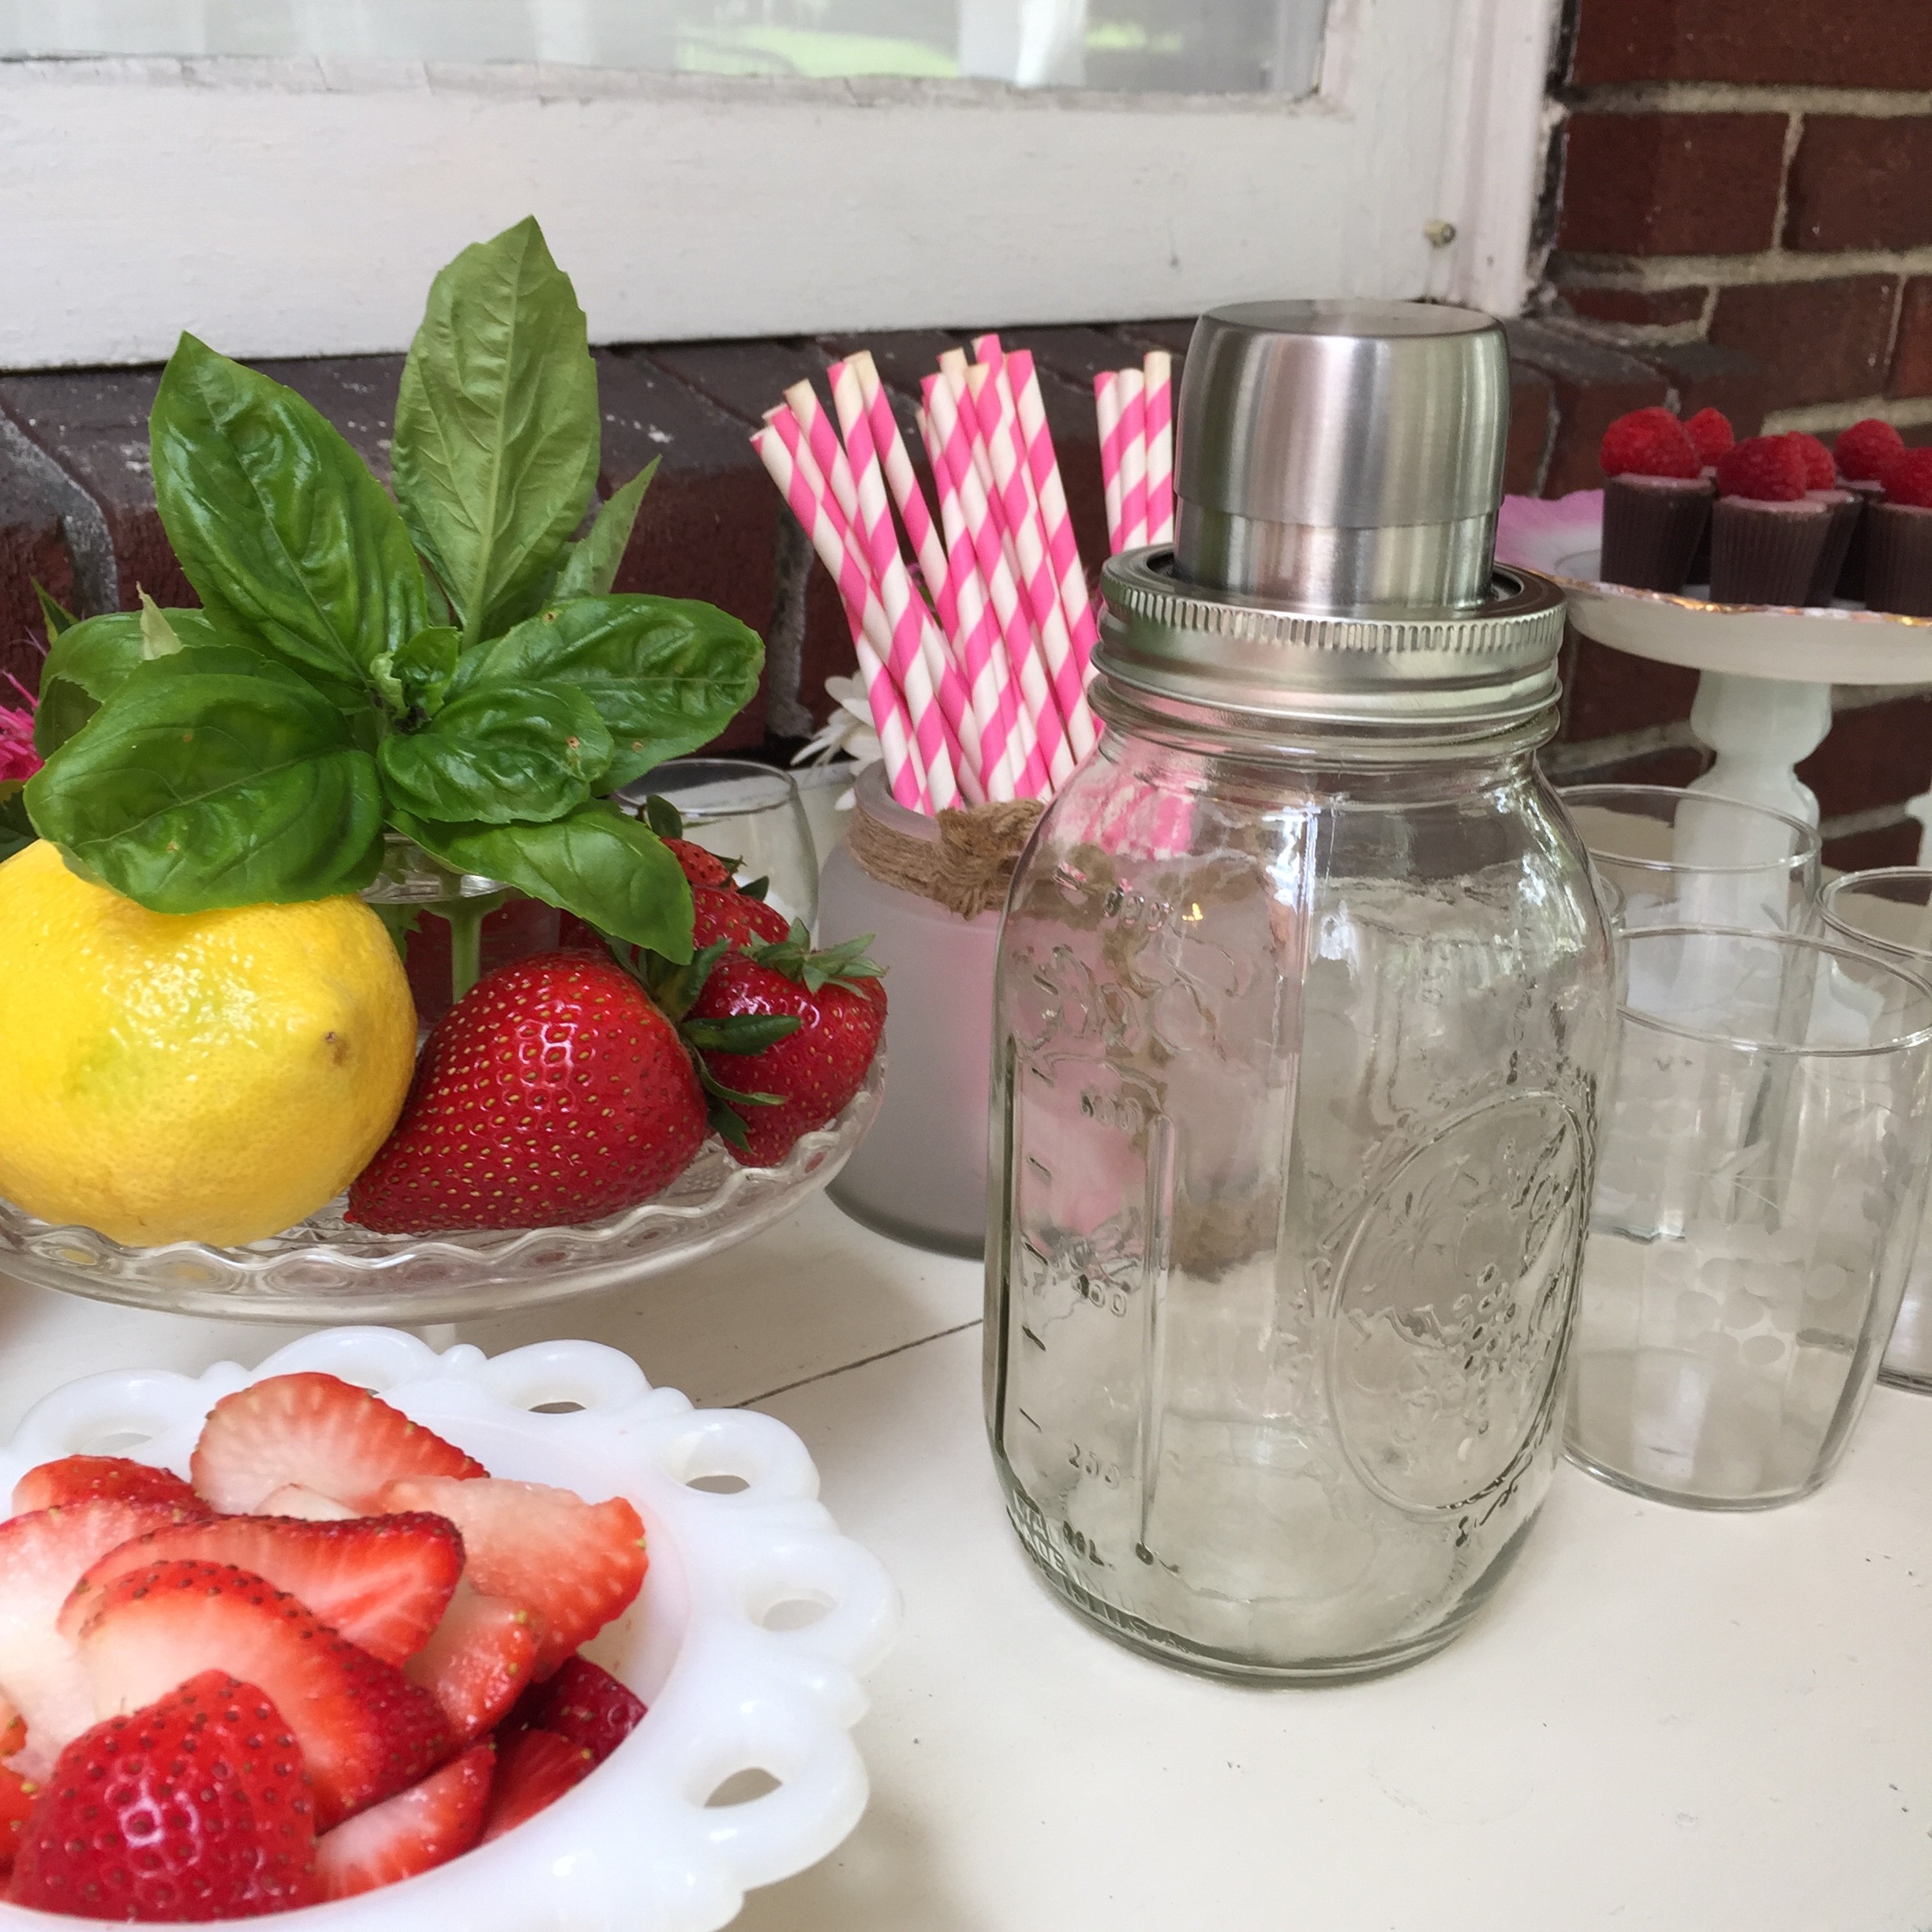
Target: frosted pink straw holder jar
[{"x": 920, "y": 1175}]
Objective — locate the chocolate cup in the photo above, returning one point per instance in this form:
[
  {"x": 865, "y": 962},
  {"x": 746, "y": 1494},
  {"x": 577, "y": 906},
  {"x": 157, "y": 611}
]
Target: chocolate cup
[
  {"x": 1846, "y": 511},
  {"x": 1699, "y": 570},
  {"x": 1651, "y": 528},
  {"x": 1898, "y": 559},
  {"x": 1851, "y": 572},
  {"x": 1765, "y": 552}
]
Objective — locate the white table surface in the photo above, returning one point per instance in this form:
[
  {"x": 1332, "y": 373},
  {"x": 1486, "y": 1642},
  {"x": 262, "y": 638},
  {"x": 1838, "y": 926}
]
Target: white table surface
[{"x": 1665, "y": 1719}]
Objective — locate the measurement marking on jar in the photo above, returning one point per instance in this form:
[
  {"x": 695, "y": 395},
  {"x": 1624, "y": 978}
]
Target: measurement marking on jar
[
  {"x": 1031, "y": 1337},
  {"x": 1083, "y": 1545},
  {"x": 1024, "y": 1417},
  {"x": 1040, "y": 1168},
  {"x": 1112, "y": 1300},
  {"x": 1088, "y": 1464}
]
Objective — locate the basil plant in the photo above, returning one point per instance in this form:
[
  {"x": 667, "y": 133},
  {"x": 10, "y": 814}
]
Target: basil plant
[{"x": 451, "y": 665}]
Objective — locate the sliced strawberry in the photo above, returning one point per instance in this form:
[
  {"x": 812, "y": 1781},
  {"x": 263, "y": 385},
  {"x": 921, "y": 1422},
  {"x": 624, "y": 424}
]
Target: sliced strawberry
[
  {"x": 365, "y": 1731},
  {"x": 196, "y": 1808},
  {"x": 42, "y": 1556},
  {"x": 536, "y": 1769},
  {"x": 16, "y": 1802},
  {"x": 426, "y": 1826},
  {"x": 584, "y": 1705},
  {"x": 382, "y": 1581},
  {"x": 576, "y": 1564},
  {"x": 478, "y": 1662},
  {"x": 310, "y": 1505},
  {"x": 102, "y": 1479},
  {"x": 324, "y": 1434}
]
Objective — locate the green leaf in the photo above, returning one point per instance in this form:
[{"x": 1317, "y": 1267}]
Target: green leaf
[
  {"x": 55, "y": 615},
  {"x": 159, "y": 638},
  {"x": 280, "y": 525},
  {"x": 88, "y": 663},
  {"x": 663, "y": 816},
  {"x": 504, "y": 754},
  {"x": 16, "y": 830},
  {"x": 399, "y": 919},
  {"x": 214, "y": 778},
  {"x": 666, "y": 675},
  {"x": 590, "y": 567},
  {"x": 598, "y": 864},
  {"x": 741, "y": 1033},
  {"x": 416, "y": 677},
  {"x": 496, "y": 430}
]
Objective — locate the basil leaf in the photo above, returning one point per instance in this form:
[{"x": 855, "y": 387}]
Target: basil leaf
[
  {"x": 504, "y": 754},
  {"x": 598, "y": 864},
  {"x": 590, "y": 567},
  {"x": 159, "y": 638},
  {"x": 16, "y": 831},
  {"x": 279, "y": 524},
  {"x": 497, "y": 429},
  {"x": 665, "y": 674},
  {"x": 214, "y": 778},
  {"x": 416, "y": 677},
  {"x": 56, "y": 616},
  {"x": 87, "y": 663}
]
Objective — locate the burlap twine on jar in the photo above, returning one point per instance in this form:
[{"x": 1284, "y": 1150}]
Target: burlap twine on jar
[{"x": 966, "y": 870}]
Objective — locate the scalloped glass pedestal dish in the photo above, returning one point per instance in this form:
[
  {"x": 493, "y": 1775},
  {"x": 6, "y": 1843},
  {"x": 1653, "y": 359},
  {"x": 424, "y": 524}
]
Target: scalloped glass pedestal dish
[
  {"x": 756, "y": 1623},
  {"x": 325, "y": 1270}
]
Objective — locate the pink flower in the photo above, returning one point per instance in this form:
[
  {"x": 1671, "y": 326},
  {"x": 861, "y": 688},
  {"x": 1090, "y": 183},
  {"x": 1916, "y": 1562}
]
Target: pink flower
[{"x": 18, "y": 759}]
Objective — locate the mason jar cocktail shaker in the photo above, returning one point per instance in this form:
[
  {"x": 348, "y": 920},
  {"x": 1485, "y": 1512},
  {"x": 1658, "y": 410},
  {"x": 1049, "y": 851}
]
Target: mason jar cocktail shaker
[{"x": 1302, "y": 1001}]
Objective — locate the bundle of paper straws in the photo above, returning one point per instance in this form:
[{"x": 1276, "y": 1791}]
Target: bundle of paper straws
[
  {"x": 1135, "y": 407},
  {"x": 976, "y": 674}
]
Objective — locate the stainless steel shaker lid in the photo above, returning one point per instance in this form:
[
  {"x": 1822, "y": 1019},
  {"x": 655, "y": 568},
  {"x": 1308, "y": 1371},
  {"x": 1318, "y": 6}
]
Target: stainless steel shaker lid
[
  {"x": 1338, "y": 467},
  {"x": 1343, "y": 456}
]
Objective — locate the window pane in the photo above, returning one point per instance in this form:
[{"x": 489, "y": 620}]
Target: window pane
[{"x": 1219, "y": 46}]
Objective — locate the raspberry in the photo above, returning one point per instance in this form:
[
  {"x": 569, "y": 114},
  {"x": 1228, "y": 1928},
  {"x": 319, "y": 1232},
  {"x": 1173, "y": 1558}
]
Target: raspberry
[
  {"x": 1648, "y": 442},
  {"x": 1769, "y": 469},
  {"x": 1867, "y": 449},
  {"x": 1908, "y": 480},
  {"x": 1821, "y": 472},
  {"x": 1711, "y": 433}
]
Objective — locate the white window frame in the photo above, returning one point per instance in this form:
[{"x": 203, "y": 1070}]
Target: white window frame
[{"x": 298, "y": 207}]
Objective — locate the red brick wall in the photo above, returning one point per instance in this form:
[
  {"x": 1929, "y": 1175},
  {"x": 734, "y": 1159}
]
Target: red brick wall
[{"x": 1743, "y": 186}]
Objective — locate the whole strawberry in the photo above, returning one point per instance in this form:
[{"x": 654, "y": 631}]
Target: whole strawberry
[
  {"x": 555, "y": 1091},
  {"x": 801, "y": 1081}
]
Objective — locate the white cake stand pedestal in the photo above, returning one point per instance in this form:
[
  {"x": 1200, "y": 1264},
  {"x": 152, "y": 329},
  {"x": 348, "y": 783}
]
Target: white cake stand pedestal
[{"x": 1763, "y": 703}]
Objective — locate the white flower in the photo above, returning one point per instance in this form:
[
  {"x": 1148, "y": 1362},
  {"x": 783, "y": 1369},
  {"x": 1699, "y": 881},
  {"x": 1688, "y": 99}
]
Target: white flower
[{"x": 847, "y": 733}]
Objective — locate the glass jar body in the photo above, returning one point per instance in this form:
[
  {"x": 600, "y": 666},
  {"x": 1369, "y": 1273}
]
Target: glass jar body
[{"x": 1295, "y": 1072}]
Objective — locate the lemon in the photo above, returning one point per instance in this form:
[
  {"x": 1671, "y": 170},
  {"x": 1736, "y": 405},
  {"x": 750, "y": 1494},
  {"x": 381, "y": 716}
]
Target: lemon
[{"x": 211, "y": 1076}]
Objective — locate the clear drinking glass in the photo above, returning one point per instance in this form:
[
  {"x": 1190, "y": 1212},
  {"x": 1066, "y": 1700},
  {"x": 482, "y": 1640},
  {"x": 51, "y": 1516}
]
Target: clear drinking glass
[
  {"x": 1761, "y": 1179},
  {"x": 1692, "y": 858},
  {"x": 1888, "y": 910},
  {"x": 744, "y": 811},
  {"x": 1295, "y": 1063}
]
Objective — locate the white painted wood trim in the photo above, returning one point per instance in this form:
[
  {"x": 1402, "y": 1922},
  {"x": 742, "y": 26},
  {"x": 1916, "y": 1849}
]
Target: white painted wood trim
[{"x": 285, "y": 208}]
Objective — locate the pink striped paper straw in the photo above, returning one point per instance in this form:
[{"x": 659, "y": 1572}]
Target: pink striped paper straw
[
  {"x": 1107, "y": 412},
  {"x": 1061, "y": 545},
  {"x": 952, "y": 369},
  {"x": 939, "y": 748},
  {"x": 1036, "y": 699},
  {"x": 916, "y": 637},
  {"x": 995, "y": 684},
  {"x": 959, "y": 598},
  {"x": 1157, "y": 408},
  {"x": 890, "y": 718},
  {"x": 1133, "y": 460},
  {"x": 1000, "y": 422}
]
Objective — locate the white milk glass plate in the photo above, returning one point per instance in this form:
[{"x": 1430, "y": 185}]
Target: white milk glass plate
[
  {"x": 756, "y": 1622},
  {"x": 325, "y": 1270}
]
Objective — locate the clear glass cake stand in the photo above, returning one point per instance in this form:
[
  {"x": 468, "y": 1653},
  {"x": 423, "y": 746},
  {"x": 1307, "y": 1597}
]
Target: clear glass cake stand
[{"x": 326, "y": 1270}]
